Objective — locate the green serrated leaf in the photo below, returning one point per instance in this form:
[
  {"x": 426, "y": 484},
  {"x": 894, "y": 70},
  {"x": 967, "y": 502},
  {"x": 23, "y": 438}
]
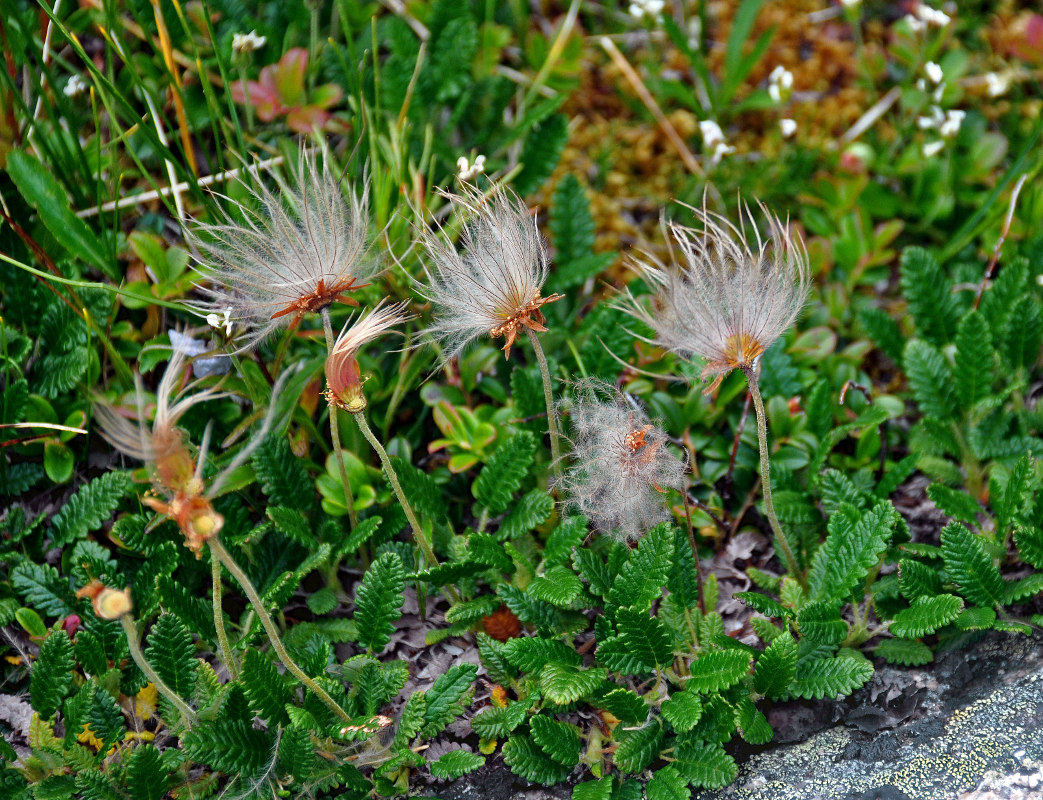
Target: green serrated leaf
[
  {"x": 172, "y": 653},
  {"x": 559, "y": 586},
  {"x": 229, "y": 745},
  {"x": 683, "y": 710},
  {"x": 926, "y": 615},
  {"x": 638, "y": 747},
  {"x": 715, "y": 671},
  {"x": 752, "y": 724},
  {"x": 705, "y": 764},
  {"x": 970, "y": 567},
  {"x": 147, "y": 777},
  {"x": 51, "y": 678},
  {"x": 776, "y": 667},
  {"x": 1030, "y": 545},
  {"x": 89, "y": 507},
  {"x": 265, "y": 688},
  {"x": 593, "y": 790},
  {"x": 564, "y": 683},
  {"x": 445, "y": 698},
  {"x": 645, "y": 638},
  {"x": 916, "y": 580},
  {"x": 928, "y": 292},
  {"x": 820, "y": 622},
  {"x": 667, "y": 784},
  {"x": 830, "y": 677},
  {"x": 281, "y": 474},
  {"x": 529, "y": 653},
  {"x": 855, "y": 544},
  {"x": 904, "y": 651},
  {"x": 764, "y": 604},
  {"x": 378, "y": 602},
  {"x": 527, "y": 512},
  {"x": 930, "y": 379},
  {"x": 528, "y": 761},
  {"x": 503, "y": 474},
  {"x": 958, "y": 505},
  {"x": 559, "y": 740},
  {"x": 976, "y": 619},
  {"x": 643, "y": 576},
  {"x": 972, "y": 362},
  {"x": 456, "y": 763}
]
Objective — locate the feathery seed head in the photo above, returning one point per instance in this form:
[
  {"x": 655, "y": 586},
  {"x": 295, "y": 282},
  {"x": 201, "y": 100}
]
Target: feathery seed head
[
  {"x": 301, "y": 251},
  {"x": 178, "y": 489},
  {"x": 343, "y": 379},
  {"x": 622, "y": 465},
  {"x": 493, "y": 286},
  {"x": 730, "y": 298}
]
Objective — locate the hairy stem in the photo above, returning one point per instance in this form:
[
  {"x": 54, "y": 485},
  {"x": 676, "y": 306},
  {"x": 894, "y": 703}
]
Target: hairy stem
[
  {"x": 218, "y": 551},
  {"x": 414, "y": 522},
  {"x": 695, "y": 550},
  {"x": 219, "y": 621},
  {"x": 548, "y": 396},
  {"x": 188, "y": 716},
  {"x": 338, "y": 449},
  {"x": 769, "y": 505}
]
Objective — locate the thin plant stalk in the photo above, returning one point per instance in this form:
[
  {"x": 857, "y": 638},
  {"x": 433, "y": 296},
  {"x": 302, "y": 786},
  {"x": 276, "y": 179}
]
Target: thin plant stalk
[
  {"x": 219, "y": 622},
  {"x": 338, "y": 449},
  {"x": 187, "y": 714},
  {"x": 548, "y": 396},
  {"x": 218, "y": 551},
  {"x": 769, "y": 505},
  {"x": 695, "y": 550},
  {"x": 414, "y": 522}
]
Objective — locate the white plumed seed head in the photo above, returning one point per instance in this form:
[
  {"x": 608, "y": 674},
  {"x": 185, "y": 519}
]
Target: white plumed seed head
[
  {"x": 301, "y": 251},
  {"x": 491, "y": 286},
  {"x": 623, "y": 468},
  {"x": 730, "y": 298}
]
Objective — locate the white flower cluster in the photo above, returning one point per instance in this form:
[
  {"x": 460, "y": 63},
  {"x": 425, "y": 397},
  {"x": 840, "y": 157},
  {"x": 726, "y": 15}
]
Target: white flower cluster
[
  {"x": 714, "y": 141},
  {"x": 924, "y": 16},
  {"x": 780, "y": 84},
  {"x": 639, "y": 9},
  {"x": 997, "y": 83},
  {"x": 247, "y": 42},
  {"x": 467, "y": 171},
  {"x": 75, "y": 87}
]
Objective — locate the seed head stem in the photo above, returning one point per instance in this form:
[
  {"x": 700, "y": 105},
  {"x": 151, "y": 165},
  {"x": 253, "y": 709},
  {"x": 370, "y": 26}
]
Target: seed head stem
[
  {"x": 338, "y": 449},
  {"x": 219, "y": 621},
  {"x": 769, "y": 505},
  {"x": 218, "y": 551},
  {"x": 414, "y": 522},
  {"x": 548, "y": 396},
  {"x": 188, "y": 716}
]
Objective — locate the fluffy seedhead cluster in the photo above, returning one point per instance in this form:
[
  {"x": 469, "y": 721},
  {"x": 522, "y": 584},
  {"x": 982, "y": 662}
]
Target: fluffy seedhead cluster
[
  {"x": 178, "y": 489},
  {"x": 731, "y": 296},
  {"x": 343, "y": 378},
  {"x": 303, "y": 249},
  {"x": 622, "y": 467},
  {"x": 492, "y": 287}
]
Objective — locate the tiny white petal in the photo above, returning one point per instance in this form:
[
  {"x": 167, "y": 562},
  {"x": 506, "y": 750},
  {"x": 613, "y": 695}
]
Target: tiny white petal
[
  {"x": 711, "y": 132},
  {"x": 934, "y": 72},
  {"x": 788, "y": 127},
  {"x": 932, "y": 149}
]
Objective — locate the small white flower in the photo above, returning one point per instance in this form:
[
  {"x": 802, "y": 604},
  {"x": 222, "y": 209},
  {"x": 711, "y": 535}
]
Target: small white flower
[
  {"x": 224, "y": 321},
  {"x": 935, "y": 120},
  {"x": 247, "y": 42},
  {"x": 997, "y": 82},
  {"x": 788, "y": 127},
  {"x": 932, "y": 16},
  {"x": 1039, "y": 279},
  {"x": 720, "y": 151},
  {"x": 939, "y": 90},
  {"x": 850, "y": 3},
  {"x": 712, "y": 133},
  {"x": 639, "y": 9},
  {"x": 780, "y": 84},
  {"x": 932, "y": 149},
  {"x": 466, "y": 171},
  {"x": 953, "y": 121},
  {"x": 934, "y": 72},
  {"x": 75, "y": 87},
  {"x": 921, "y": 84},
  {"x": 916, "y": 25}
]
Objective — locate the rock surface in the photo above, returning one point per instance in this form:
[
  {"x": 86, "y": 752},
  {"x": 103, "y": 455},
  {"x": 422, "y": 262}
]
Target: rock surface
[{"x": 967, "y": 727}]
